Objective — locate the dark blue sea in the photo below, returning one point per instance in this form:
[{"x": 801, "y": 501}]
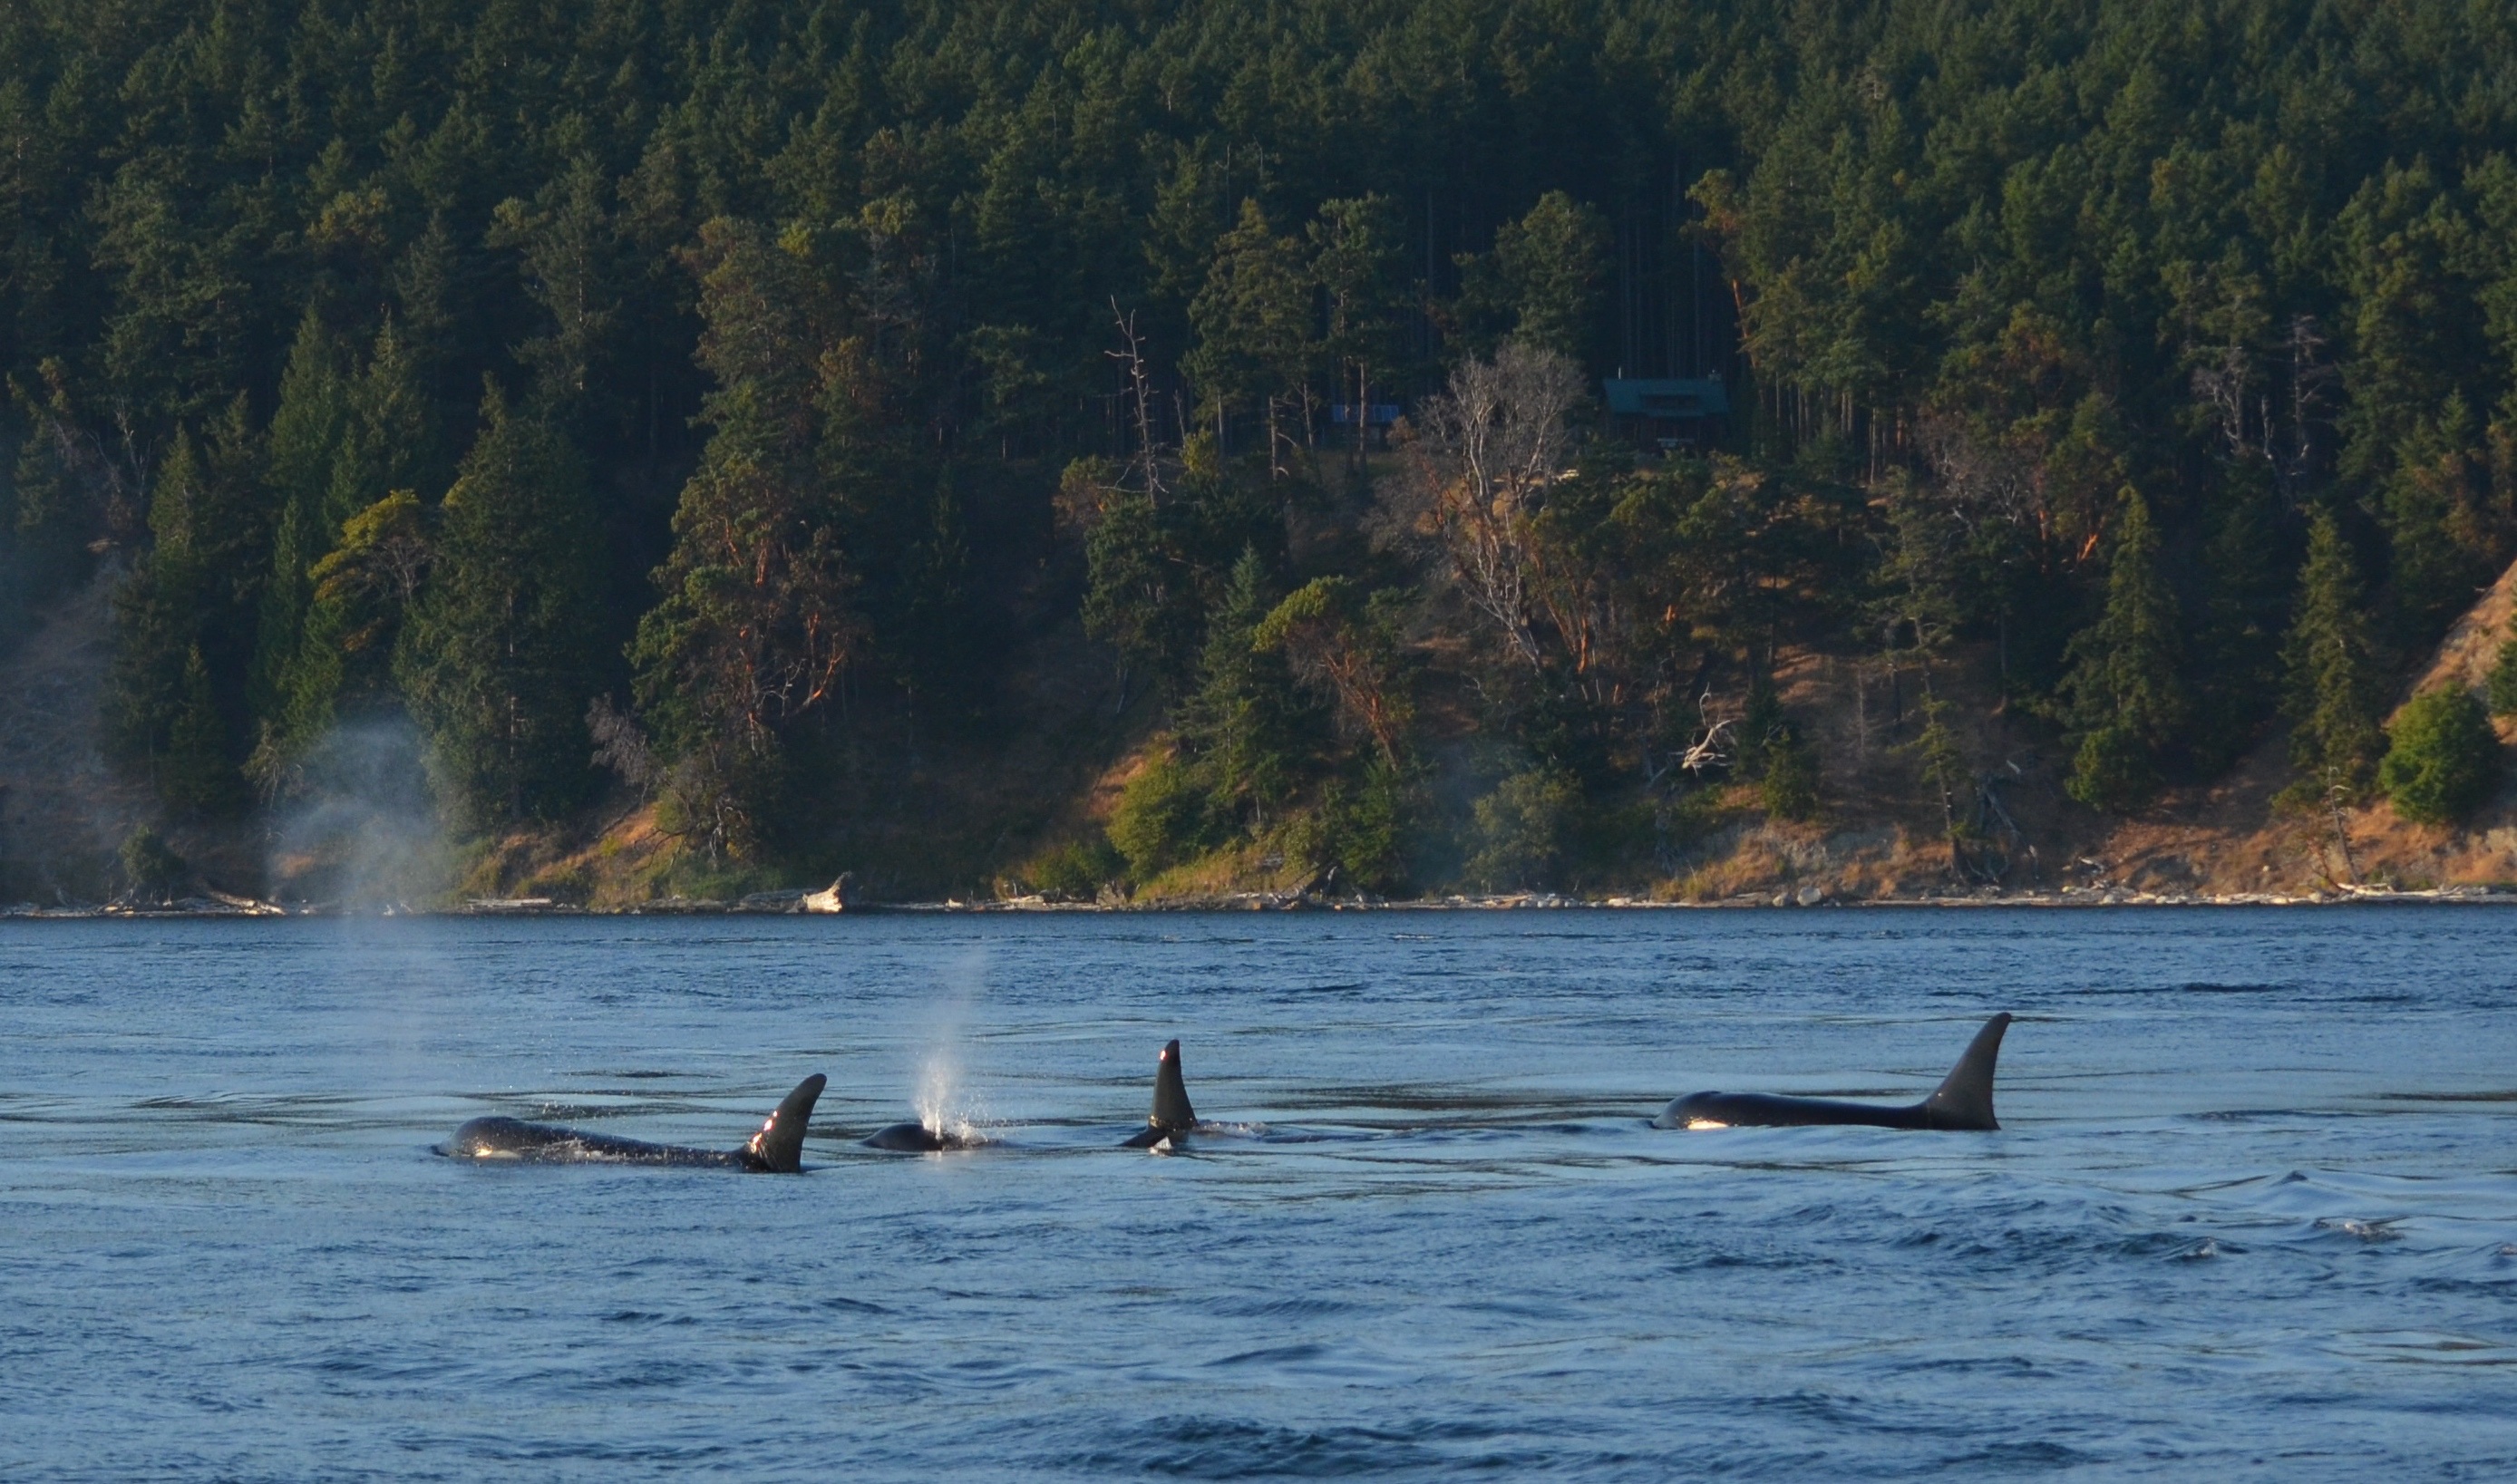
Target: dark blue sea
[{"x": 2252, "y": 1213}]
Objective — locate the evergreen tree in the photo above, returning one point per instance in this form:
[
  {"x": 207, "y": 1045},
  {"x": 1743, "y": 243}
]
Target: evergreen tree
[
  {"x": 1253, "y": 320},
  {"x": 498, "y": 654},
  {"x": 364, "y": 590},
  {"x": 1943, "y": 766},
  {"x": 940, "y": 650},
  {"x": 342, "y": 444},
  {"x": 2501, "y": 687},
  {"x": 2442, "y": 757},
  {"x": 757, "y": 619},
  {"x": 2236, "y": 660},
  {"x": 2334, "y": 678},
  {"x": 197, "y": 773},
  {"x": 304, "y": 443},
  {"x": 45, "y": 525},
  {"x": 1788, "y": 789},
  {"x": 175, "y": 698},
  {"x": 1139, "y": 597},
  {"x": 1359, "y": 260},
  {"x": 571, "y": 253},
  {"x": 1243, "y": 722},
  {"x": 2445, "y": 540},
  {"x": 2124, "y": 695},
  {"x": 1541, "y": 284}
]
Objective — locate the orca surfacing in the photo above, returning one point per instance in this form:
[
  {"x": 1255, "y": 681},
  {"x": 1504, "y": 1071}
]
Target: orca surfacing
[
  {"x": 777, "y": 1149},
  {"x": 916, "y": 1138},
  {"x": 1173, "y": 1116},
  {"x": 1963, "y": 1100}
]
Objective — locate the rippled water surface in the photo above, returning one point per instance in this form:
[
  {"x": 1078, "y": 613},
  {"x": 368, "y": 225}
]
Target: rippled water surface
[{"x": 2252, "y": 1214}]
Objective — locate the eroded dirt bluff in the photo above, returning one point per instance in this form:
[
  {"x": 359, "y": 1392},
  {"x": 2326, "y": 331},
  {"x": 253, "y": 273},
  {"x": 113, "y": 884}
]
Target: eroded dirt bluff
[
  {"x": 2233, "y": 838},
  {"x": 2223, "y": 839}
]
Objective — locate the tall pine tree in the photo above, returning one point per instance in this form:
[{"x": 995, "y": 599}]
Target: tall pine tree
[
  {"x": 2336, "y": 683},
  {"x": 499, "y": 654},
  {"x": 1244, "y": 724},
  {"x": 2124, "y": 695}
]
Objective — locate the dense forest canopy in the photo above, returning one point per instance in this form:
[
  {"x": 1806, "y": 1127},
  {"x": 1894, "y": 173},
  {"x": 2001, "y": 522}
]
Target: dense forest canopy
[{"x": 727, "y": 388}]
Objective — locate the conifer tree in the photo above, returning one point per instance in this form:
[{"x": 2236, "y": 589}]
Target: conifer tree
[
  {"x": 498, "y": 654},
  {"x": 1242, "y": 723},
  {"x": 196, "y": 772},
  {"x": 757, "y": 618},
  {"x": 44, "y": 525},
  {"x": 174, "y": 698},
  {"x": 1357, "y": 257},
  {"x": 343, "y": 442},
  {"x": 2445, "y": 542},
  {"x": 2236, "y": 659},
  {"x": 2335, "y": 682},
  {"x": 1253, "y": 322},
  {"x": 303, "y": 444},
  {"x": 2125, "y": 697},
  {"x": 1140, "y": 598},
  {"x": 2442, "y": 757},
  {"x": 1944, "y": 773},
  {"x": 938, "y": 649},
  {"x": 1541, "y": 284},
  {"x": 570, "y": 251},
  {"x": 2501, "y": 686}
]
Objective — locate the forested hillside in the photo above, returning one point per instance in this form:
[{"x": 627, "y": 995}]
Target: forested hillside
[{"x": 836, "y": 434}]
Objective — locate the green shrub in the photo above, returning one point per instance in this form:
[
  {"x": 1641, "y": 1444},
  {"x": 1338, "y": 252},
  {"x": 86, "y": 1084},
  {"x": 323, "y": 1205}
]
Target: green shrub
[
  {"x": 2112, "y": 770},
  {"x": 1763, "y": 730},
  {"x": 1789, "y": 789},
  {"x": 2503, "y": 680},
  {"x": 1359, "y": 831},
  {"x": 1076, "y": 871},
  {"x": 1521, "y": 828},
  {"x": 1165, "y": 815},
  {"x": 2442, "y": 757},
  {"x": 149, "y": 865}
]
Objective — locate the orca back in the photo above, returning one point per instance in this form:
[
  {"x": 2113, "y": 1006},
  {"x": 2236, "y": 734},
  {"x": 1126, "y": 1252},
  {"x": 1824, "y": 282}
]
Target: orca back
[
  {"x": 910, "y": 1138},
  {"x": 1964, "y": 1099},
  {"x": 778, "y": 1147},
  {"x": 1171, "y": 1093},
  {"x": 1767, "y": 1110}
]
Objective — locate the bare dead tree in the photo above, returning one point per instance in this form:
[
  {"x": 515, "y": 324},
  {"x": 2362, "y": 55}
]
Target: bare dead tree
[
  {"x": 2223, "y": 383},
  {"x": 1712, "y": 747},
  {"x": 2311, "y": 382},
  {"x": 1483, "y": 457},
  {"x": 1144, "y": 461}
]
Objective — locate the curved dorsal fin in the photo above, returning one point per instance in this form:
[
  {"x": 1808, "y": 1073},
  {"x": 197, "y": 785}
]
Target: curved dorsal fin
[
  {"x": 1965, "y": 1096},
  {"x": 778, "y": 1147},
  {"x": 1171, "y": 1093}
]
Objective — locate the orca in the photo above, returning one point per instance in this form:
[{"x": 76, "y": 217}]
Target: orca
[
  {"x": 777, "y": 1149},
  {"x": 1172, "y": 1116},
  {"x": 916, "y": 1138},
  {"x": 1963, "y": 1101}
]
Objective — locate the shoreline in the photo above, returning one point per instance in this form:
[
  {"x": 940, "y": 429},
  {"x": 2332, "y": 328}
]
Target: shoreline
[{"x": 782, "y": 904}]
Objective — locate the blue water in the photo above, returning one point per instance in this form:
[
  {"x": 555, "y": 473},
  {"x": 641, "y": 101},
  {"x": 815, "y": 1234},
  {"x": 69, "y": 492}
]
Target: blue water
[{"x": 2252, "y": 1214}]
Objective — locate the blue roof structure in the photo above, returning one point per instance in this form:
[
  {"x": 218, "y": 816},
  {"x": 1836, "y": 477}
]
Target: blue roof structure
[{"x": 1669, "y": 398}]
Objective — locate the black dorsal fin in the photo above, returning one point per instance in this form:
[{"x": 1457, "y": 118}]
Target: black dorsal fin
[
  {"x": 1965, "y": 1096},
  {"x": 778, "y": 1147},
  {"x": 1171, "y": 1093}
]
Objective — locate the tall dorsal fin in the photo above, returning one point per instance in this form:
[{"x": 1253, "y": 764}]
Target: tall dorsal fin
[
  {"x": 778, "y": 1147},
  {"x": 1965, "y": 1096},
  {"x": 1171, "y": 1093}
]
